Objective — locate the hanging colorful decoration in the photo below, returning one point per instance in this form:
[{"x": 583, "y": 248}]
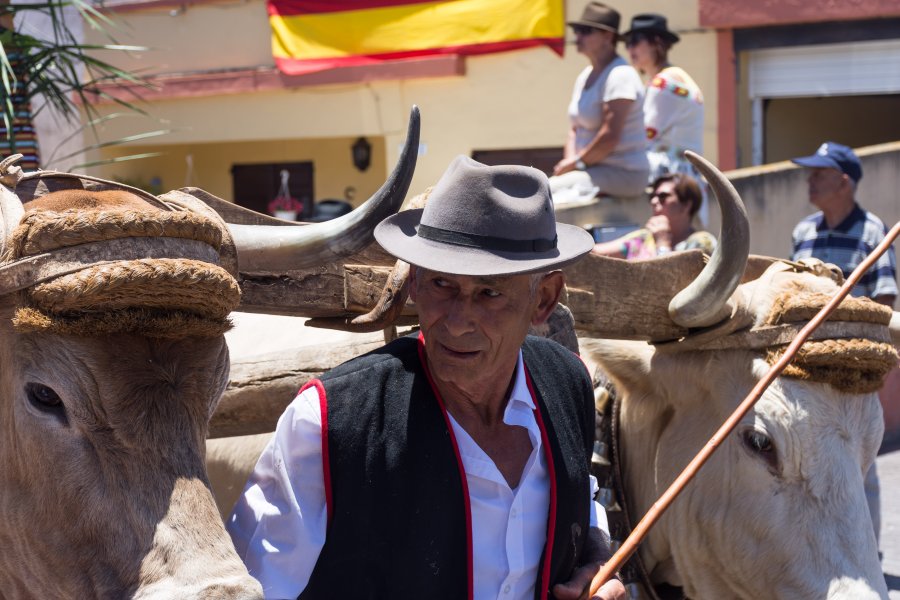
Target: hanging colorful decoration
[{"x": 315, "y": 35}]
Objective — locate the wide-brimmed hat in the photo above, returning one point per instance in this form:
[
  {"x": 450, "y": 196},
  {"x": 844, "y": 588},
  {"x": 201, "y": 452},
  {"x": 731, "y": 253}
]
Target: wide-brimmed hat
[
  {"x": 651, "y": 23},
  {"x": 832, "y": 155},
  {"x": 483, "y": 221},
  {"x": 599, "y": 16}
]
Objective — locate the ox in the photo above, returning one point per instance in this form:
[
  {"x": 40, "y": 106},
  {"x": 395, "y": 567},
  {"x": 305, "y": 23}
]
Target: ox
[
  {"x": 113, "y": 305},
  {"x": 779, "y": 511}
]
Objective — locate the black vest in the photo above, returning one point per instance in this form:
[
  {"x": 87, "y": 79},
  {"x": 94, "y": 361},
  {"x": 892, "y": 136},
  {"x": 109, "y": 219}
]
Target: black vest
[{"x": 397, "y": 523}]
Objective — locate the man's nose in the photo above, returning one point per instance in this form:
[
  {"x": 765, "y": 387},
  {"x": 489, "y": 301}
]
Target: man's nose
[{"x": 460, "y": 317}]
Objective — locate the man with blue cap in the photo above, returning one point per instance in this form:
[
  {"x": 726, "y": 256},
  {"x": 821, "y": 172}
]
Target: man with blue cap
[{"x": 843, "y": 233}]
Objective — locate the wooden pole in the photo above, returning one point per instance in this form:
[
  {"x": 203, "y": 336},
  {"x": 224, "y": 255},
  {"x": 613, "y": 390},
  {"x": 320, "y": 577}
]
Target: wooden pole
[{"x": 659, "y": 507}]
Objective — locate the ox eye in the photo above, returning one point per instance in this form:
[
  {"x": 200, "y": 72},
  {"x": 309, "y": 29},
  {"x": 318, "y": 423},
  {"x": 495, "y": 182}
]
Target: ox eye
[
  {"x": 46, "y": 400},
  {"x": 761, "y": 445}
]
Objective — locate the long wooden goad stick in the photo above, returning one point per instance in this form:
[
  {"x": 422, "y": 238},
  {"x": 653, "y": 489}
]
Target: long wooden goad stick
[{"x": 659, "y": 507}]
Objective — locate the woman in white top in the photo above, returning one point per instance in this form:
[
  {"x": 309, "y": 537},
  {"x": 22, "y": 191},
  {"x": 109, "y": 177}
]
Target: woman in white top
[
  {"x": 673, "y": 107},
  {"x": 606, "y": 148}
]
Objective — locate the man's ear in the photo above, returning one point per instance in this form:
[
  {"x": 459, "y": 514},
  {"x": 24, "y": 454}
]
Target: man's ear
[{"x": 548, "y": 292}]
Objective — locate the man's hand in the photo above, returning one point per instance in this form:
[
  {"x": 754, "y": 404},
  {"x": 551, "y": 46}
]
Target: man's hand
[
  {"x": 596, "y": 553},
  {"x": 579, "y": 586}
]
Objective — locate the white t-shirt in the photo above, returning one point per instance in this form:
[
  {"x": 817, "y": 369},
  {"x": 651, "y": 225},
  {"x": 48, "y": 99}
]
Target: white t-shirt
[{"x": 618, "y": 81}]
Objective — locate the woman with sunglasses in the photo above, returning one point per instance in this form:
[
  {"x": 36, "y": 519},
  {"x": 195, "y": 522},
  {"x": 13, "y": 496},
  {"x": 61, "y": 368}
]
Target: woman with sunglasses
[
  {"x": 675, "y": 200},
  {"x": 673, "y": 106},
  {"x": 605, "y": 152}
]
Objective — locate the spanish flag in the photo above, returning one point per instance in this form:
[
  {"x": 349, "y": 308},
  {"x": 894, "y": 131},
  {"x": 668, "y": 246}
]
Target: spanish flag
[{"x": 314, "y": 35}]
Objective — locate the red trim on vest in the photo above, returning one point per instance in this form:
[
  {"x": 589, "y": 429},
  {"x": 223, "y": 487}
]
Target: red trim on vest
[
  {"x": 551, "y": 472},
  {"x": 462, "y": 471},
  {"x": 326, "y": 464}
]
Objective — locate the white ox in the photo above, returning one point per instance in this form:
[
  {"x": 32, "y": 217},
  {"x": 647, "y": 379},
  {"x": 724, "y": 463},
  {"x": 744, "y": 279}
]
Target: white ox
[
  {"x": 779, "y": 511},
  {"x": 112, "y": 359}
]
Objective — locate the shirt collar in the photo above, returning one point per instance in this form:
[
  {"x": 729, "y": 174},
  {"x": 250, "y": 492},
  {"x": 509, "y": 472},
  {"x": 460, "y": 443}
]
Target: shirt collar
[
  {"x": 520, "y": 392},
  {"x": 856, "y": 215}
]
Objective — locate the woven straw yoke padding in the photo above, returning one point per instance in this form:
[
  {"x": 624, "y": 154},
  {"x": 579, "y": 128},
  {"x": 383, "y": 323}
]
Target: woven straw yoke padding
[
  {"x": 45, "y": 231},
  {"x": 856, "y": 366},
  {"x": 162, "y": 297}
]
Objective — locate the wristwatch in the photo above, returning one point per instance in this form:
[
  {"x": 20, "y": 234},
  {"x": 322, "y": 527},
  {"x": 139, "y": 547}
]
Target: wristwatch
[{"x": 580, "y": 165}]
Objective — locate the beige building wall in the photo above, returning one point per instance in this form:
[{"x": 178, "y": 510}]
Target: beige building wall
[
  {"x": 509, "y": 100},
  {"x": 776, "y": 196}
]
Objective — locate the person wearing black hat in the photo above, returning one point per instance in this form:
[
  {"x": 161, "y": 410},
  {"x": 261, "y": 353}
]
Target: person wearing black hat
[
  {"x": 605, "y": 152},
  {"x": 673, "y": 106},
  {"x": 453, "y": 464}
]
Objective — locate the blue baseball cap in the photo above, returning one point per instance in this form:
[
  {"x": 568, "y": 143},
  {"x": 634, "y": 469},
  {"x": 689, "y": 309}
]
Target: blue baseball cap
[{"x": 832, "y": 155}]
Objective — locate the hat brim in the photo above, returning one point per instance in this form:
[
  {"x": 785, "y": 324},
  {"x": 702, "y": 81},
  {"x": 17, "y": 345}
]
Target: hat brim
[
  {"x": 398, "y": 235},
  {"x": 663, "y": 33},
  {"x": 817, "y": 161},
  {"x": 593, "y": 26}
]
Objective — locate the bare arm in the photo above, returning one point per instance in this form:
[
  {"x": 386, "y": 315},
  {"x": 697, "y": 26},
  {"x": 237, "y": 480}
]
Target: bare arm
[
  {"x": 614, "y": 249},
  {"x": 614, "y": 114}
]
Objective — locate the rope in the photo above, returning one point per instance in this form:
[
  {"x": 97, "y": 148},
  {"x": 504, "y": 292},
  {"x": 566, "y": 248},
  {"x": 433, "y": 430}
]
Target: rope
[
  {"x": 179, "y": 284},
  {"x": 41, "y": 231}
]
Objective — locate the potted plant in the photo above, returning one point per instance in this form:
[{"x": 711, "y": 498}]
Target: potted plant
[{"x": 285, "y": 206}]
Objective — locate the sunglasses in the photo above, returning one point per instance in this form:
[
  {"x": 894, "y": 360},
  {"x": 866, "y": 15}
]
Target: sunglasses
[
  {"x": 582, "y": 30},
  {"x": 663, "y": 196},
  {"x": 636, "y": 38}
]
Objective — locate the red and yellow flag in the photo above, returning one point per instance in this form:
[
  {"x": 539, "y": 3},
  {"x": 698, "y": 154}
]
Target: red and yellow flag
[{"x": 314, "y": 35}]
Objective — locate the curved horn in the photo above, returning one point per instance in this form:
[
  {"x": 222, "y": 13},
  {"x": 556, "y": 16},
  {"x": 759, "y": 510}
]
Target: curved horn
[
  {"x": 705, "y": 301},
  {"x": 273, "y": 248}
]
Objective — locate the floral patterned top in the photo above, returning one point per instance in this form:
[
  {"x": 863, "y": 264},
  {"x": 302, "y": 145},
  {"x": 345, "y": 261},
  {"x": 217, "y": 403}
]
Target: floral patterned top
[{"x": 640, "y": 244}]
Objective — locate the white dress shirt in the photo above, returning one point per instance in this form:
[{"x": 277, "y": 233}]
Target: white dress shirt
[{"x": 278, "y": 525}]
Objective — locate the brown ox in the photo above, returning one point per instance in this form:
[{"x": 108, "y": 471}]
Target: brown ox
[{"x": 113, "y": 306}]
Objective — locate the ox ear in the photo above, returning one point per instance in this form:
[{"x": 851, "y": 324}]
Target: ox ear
[
  {"x": 628, "y": 363},
  {"x": 643, "y": 370}
]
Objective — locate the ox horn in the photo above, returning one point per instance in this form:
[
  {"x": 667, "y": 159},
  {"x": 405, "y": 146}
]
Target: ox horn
[
  {"x": 273, "y": 248},
  {"x": 705, "y": 301}
]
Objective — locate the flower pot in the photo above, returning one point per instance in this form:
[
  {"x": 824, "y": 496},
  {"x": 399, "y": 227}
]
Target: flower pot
[{"x": 287, "y": 215}]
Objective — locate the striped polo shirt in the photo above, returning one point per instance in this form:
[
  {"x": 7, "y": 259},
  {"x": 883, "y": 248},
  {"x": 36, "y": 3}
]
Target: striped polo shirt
[{"x": 846, "y": 246}]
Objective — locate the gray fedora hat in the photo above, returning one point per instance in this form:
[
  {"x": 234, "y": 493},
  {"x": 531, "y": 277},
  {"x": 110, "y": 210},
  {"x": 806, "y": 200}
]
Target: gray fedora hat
[{"x": 483, "y": 220}]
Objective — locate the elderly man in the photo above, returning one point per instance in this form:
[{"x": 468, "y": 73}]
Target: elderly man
[
  {"x": 844, "y": 234},
  {"x": 453, "y": 464}
]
